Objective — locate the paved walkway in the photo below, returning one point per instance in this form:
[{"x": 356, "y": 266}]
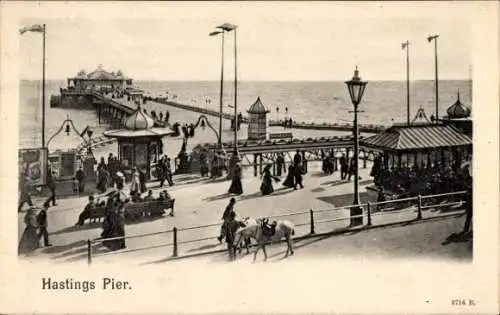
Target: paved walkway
[{"x": 201, "y": 202}]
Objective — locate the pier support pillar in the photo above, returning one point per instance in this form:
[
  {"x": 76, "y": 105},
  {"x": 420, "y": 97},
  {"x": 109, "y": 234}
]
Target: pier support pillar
[
  {"x": 274, "y": 167},
  {"x": 260, "y": 163},
  {"x": 255, "y": 165},
  {"x": 99, "y": 112}
]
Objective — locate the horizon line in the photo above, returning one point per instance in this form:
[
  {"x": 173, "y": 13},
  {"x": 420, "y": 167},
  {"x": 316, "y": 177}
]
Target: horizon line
[{"x": 270, "y": 80}]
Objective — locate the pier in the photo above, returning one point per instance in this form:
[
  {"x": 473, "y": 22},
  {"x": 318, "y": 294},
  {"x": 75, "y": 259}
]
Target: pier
[{"x": 113, "y": 110}]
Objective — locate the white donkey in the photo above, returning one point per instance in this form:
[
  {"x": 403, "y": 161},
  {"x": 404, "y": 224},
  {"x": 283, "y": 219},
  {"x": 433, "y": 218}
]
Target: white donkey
[
  {"x": 264, "y": 233},
  {"x": 246, "y": 233}
]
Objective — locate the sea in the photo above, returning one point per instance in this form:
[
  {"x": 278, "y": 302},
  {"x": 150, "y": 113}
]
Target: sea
[{"x": 384, "y": 102}]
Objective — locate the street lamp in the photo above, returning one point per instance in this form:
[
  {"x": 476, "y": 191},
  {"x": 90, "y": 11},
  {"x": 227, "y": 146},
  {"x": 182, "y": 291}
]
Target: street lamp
[
  {"x": 356, "y": 89},
  {"x": 214, "y": 33},
  {"x": 227, "y": 27},
  {"x": 429, "y": 39}
]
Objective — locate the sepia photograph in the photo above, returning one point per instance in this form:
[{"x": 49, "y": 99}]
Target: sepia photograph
[{"x": 244, "y": 137}]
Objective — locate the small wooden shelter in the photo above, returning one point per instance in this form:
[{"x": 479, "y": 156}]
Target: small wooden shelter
[
  {"x": 139, "y": 143},
  {"x": 258, "y": 123},
  {"x": 420, "y": 144}
]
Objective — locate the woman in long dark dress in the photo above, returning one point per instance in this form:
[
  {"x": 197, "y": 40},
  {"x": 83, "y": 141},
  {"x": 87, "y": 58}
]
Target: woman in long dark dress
[
  {"x": 114, "y": 227},
  {"x": 29, "y": 240},
  {"x": 102, "y": 180},
  {"x": 290, "y": 178},
  {"x": 267, "y": 184},
  {"x": 236, "y": 187}
]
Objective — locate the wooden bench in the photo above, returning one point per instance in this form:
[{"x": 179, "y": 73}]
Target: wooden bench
[
  {"x": 137, "y": 210},
  {"x": 151, "y": 208},
  {"x": 282, "y": 135}
]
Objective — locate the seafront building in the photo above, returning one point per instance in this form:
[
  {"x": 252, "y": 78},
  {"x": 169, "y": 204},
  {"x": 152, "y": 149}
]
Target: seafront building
[{"x": 99, "y": 79}]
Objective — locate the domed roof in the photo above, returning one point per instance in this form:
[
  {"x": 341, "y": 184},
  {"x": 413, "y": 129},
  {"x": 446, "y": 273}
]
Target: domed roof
[
  {"x": 458, "y": 110},
  {"x": 257, "y": 107},
  {"x": 139, "y": 120}
]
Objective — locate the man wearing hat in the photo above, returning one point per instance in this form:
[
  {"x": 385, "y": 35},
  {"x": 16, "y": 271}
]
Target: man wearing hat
[{"x": 42, "y": 224}]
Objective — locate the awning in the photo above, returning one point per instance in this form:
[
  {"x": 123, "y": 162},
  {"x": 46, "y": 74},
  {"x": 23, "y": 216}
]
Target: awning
[{"x": 413, "y": 138}]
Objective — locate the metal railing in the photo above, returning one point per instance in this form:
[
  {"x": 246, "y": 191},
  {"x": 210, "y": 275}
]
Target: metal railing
[{"x": 369, "y": 211}]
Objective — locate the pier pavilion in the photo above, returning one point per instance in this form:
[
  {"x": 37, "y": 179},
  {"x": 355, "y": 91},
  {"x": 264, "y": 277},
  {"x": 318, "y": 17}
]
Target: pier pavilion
[
  {"x": 139, "y": 142},
  {"x": 99, "y": 79}
]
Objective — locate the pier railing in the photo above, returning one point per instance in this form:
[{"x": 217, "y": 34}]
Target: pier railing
[
  {"x": 371, "y": 128},
  {"x": 308, "y": 223}
]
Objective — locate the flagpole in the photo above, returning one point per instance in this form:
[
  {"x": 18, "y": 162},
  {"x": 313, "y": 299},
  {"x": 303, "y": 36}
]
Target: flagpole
[
  {"x": 408, "y": 82},
  {"x": 43, "y": 89}
]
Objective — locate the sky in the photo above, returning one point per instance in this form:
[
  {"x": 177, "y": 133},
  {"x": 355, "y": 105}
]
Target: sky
[{"x": 274, "y": 42}]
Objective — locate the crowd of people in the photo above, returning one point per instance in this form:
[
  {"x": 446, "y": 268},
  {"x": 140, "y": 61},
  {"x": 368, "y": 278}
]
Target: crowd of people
[
  {"x": 424, "y": 180},
  {"x": 347, "y": 166},
  {"x": 294, "y": 179},
  {"x": 288, "y": 123}
]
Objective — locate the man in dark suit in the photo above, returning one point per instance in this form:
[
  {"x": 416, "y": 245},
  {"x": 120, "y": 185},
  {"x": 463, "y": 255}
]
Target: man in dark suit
[
  {"x": 343, "y": 167},
  {"x": 51, "y": 184},
  {"x": 42, "y": 224}
]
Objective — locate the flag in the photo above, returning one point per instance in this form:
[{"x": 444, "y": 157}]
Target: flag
[
  {"x": 403, "y": 45},
  {"x": 33, "y": 28}
]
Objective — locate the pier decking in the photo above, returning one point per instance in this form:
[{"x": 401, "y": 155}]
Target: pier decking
[{"x": 115, "y": 109}]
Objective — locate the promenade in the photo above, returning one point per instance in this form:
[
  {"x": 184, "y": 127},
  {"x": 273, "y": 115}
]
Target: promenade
[{"x": 207, "y": 205}]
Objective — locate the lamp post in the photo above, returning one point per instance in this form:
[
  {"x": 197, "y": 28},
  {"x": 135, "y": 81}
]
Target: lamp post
[
  {"x": 214, "y": 33},
  {"x": 356, "y": 89},
  {"x": 40, "y": 28},
  {"x": 429, "y": 39},
  {"x": 227, "y": 27}
]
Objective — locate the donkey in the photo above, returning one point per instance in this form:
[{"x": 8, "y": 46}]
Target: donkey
[
  {"x": 272, "y": 232},
  {"x": 245, "y": 234}
]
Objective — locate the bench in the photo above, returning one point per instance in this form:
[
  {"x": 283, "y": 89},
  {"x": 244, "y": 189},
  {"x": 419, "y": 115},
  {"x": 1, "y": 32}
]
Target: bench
[
  {"x": 282, "y": 135},
  {"x": 151, "y": 208},
  {"x": 133, "y": 211}
]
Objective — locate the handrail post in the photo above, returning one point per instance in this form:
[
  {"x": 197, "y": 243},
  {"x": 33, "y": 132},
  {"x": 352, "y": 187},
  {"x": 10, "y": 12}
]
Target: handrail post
[
  {"x": 89, "y": 252},
  {"x": 369, "y": 214},
  {"x": 174, "y": 254},
  {"x": 311, "y": 212},
  {"x": 419, "y": 207}
]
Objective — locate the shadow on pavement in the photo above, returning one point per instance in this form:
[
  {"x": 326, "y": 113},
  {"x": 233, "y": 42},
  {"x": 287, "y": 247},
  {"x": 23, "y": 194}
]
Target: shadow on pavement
[
  {"x": 74, "y": 228},
  {"x": 334, "y": 182},
  {"x": 281, "y": 191},
  {"x": 320, "y": 174},
  {"x": 256, "y": 194},
  {"x": 217, "y": 197},
  {"x": 458, "y": 238},
  {"x": 318, "y": 189},
  {"x": 204, "y": 247},
  {"x": 345, "y": 199},
  {"x": 62, "y": 248},
  {"x": 147, "y": 219}
]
